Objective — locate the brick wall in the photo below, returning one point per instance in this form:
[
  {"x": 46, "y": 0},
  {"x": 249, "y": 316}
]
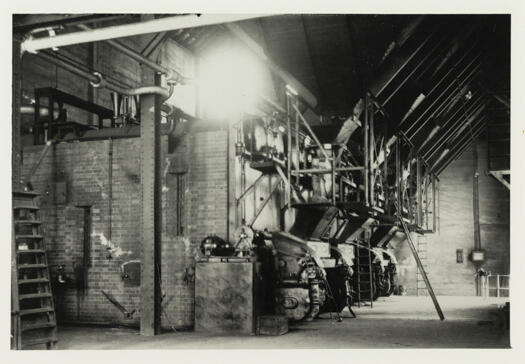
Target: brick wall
[
  {"x": 204, "y": 208},
  {"x": 84, "y": 166},
  {"x": 456, "y": 231}
]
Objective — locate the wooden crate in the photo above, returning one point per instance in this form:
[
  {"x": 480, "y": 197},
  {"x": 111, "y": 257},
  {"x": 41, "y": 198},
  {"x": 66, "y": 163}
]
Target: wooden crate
[{"x": 273, "y": 325}]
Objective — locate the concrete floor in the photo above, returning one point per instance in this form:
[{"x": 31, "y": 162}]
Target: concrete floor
[{"x": 393, "y": 322}]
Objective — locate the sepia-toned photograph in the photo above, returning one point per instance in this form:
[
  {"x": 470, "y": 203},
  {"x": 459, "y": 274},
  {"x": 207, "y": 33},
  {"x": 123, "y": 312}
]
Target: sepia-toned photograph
[{"x": 260, "y": 181}]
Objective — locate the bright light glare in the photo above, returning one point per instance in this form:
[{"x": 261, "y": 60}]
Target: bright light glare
[
  {"x": 230, "y": 80},
  {"x": 292, "y": 90}
]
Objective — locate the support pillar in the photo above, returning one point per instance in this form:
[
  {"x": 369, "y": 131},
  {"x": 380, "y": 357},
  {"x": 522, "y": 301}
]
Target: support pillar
[
  {"x": 16, "y": 158},
  {"x": 150, "y": 293}
]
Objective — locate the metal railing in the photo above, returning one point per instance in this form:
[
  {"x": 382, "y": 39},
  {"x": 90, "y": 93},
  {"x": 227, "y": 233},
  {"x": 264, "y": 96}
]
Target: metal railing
[{"x": 493, "y": 285}]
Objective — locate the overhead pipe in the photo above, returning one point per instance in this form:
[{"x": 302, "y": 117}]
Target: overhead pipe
[
  {"x": 381, "y": 84},
  {"x": 462, "y": 148},
  {"x": 456, "y": 44},
  {"x": 448, "y": 134},
  {"x": 472, "y": 75},
  {"x": 33, "y": 45},
  {"x": 392, "y": 140},
  {"x": 447, "y": 74},
  {"x": 96, "y": 80},
  {"x": 476, "y": 67},
  {"x": 403, "y": 36},
  {"x": 171, "y": 75},
  {"x": 421, "y": 63},
  {"x": 449, "y": 104},
  {"x": 454, "y": 143},
  {"x": 123, "y": 132},
  {"x": 450, "y": 119}
]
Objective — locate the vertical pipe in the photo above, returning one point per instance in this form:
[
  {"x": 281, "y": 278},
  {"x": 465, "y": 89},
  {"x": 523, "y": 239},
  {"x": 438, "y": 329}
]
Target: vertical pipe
[
  {"x": 51, "y": 128},
  {"x": 372, "y": 149},
  {"x": 297, "y": 142},
  {"x": 110, "y": 191},
  {"x": 497, "y": 285},
  {"x": 288, "y": 152},
  {"x": 228, "y": 186},
  {"x": 477, "y": 238},
  {"x": 86, "y": 243},
  {"x": 385, "y": 169},
  {"x": 475, "y": 208},
  {"x": 418, "y": 193},
  {"x": 434, "y": 212},
  {"x": 92, "y": 92},
  {"x": 438, "y": 209},
  {"x": 37, "y": 126},
  {"x": 398, "y": 176},
  {"x": 365, "y": 151},
  {"x": 333, "y": 180},
  {"x": 231, "y": 214},
  {"x": 254, "y": 201},
  {"x": 240, "y": 139},
  {"x": 487, "y": 285}
]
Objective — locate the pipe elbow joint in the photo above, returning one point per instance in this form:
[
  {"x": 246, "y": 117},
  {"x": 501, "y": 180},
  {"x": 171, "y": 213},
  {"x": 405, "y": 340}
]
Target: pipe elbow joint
[{"x": 100, "y": 83}]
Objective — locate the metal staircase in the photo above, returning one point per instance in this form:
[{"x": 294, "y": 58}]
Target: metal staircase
[{"x": 33, "y": 312}]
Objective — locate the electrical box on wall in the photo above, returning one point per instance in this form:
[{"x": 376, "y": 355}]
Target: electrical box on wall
[
  {"x": 459, "y": 255},
  {"x": 131, "y": 273},
  {"x": 478, "y": 255}
]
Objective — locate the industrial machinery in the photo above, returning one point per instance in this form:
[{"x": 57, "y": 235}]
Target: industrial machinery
[
  {"x": 300, "y": 284},
  {"x": 303, "y": 283},
  {"x": 294, "y": 280},
  {"x": 388, "y": 271},
  {"x": 383, "y": 271}
]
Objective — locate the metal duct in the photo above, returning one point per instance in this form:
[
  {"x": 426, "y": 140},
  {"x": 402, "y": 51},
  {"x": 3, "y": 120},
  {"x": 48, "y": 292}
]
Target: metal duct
[{"x": 128, "y": 30}]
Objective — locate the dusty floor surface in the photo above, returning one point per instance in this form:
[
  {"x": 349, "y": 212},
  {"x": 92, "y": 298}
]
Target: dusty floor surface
[{"x": 393, "y": 322}]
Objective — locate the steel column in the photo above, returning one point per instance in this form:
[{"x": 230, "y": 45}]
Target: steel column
[
  {"x": 365, "y": 151},
  {"x": 288, "y": 193},
  {"x": 372, "y": 149},
  {"x": 398, "y": 175},
  {"x": 310, "y": 131},
  {"x": 151, "y": 217}
]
